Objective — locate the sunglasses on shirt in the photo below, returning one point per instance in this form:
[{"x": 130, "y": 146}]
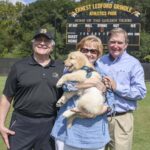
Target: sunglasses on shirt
[{"x": 86, "y": 50}]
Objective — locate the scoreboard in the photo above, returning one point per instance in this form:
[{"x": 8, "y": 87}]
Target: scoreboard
[
  {"x": 76, "y": 31},
  {"x": 81, "y": 23}
]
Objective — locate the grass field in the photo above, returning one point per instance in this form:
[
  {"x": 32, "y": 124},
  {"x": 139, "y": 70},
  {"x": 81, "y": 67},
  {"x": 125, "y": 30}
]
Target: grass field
[{"x": 141, "y": 139}]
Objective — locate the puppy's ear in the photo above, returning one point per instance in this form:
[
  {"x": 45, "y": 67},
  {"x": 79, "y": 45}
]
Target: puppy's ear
[{"x": 81, "y": 61}]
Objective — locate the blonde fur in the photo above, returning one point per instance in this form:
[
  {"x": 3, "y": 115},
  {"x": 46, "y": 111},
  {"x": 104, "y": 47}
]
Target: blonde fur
[{"x": 91, "y": 99}]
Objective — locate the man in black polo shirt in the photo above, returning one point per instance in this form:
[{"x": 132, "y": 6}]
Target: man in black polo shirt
[{"x": 31, "y": 84}]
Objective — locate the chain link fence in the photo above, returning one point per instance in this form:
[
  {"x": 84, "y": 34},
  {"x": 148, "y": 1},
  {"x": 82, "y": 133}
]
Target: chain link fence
[
  {"x": 6, "y": 63},
  {"x": 146, "y": 67}
]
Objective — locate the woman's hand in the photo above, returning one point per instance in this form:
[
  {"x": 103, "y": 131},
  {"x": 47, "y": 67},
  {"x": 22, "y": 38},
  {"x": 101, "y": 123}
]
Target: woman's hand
[{"x": 92, "y": 82}]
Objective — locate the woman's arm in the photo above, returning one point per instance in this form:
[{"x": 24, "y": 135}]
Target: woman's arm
[{"x": 92, "y": 82}]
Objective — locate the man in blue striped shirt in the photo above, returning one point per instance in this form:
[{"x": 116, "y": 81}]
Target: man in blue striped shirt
[{"x": 127, "y": 82}]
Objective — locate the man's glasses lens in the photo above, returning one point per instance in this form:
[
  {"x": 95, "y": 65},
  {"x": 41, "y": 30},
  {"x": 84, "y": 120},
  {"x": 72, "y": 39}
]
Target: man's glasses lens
[{"x": 41, "y": 39}]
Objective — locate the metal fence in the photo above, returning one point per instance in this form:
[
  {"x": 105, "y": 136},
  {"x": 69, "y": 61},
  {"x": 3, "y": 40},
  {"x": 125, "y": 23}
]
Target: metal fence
[
  {"x": 146, "y": 67},
  {"x": 6, "y": 63}
]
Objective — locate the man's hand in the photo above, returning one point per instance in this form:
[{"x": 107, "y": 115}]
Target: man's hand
[
  {"x": 92, "y": 82},
  {"x": 5, "y": 132},
  {"x": 101, "y": 86},
  {"x": 5, "y": 103},
  {"x": 109, "y": 83}
]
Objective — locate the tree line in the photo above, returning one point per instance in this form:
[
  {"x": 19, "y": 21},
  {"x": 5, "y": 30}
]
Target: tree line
[{"x": 19, "y": 22}]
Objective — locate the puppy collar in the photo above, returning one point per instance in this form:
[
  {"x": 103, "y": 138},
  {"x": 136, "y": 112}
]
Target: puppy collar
[{"x": 89, "y": 71}]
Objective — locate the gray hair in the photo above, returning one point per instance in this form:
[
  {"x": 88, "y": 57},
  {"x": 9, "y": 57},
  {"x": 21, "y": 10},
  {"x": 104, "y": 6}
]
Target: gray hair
[{"x": 118, "y": 30}]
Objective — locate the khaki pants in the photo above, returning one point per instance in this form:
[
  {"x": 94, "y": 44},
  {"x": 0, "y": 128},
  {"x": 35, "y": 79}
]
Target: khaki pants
[{"x": 121, "y": 132}]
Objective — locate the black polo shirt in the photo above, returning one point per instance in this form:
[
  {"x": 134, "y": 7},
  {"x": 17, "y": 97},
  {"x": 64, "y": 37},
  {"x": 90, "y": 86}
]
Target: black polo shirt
[{"x": 33, "y": 87}]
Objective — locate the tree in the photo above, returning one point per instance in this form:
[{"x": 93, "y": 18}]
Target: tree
[
  {"x": 19, "y": 22},
  {"x": 49, "y": 13},
  {"x": 9, "y": 25}
]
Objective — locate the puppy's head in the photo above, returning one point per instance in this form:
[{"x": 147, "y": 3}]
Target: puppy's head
[{"x": 76, "y": 60}]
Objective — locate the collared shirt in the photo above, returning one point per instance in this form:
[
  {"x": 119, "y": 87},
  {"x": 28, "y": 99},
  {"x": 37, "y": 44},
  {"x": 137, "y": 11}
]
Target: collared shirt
[
  {"x": 129, "y": 76},
  {"x": 85, "y": 133},
  {"x": 33, "y": 87}
]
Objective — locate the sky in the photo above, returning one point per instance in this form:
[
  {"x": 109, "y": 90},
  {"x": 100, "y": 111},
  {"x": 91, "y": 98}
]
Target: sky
[
  {"x": 26, "y": 1},
  {"x": 23, "y": 1}
]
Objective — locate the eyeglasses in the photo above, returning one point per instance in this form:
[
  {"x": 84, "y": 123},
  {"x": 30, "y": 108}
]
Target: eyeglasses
[
  {"x": 43, "y": 39},
  {"x": 92, "y": 51}
]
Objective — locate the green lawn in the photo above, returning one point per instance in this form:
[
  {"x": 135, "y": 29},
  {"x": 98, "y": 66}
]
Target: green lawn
[
  {"x": 142, "y": 122},
  {"x": 2, "y": 81}
]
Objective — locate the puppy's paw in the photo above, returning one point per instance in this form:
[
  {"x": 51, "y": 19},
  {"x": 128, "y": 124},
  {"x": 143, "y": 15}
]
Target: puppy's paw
[
  {"x": 69, "y": 125},
  {"x": 59, "y": 104},
  {"x": 69, "y": 122},
  {"x": 59, "y": 83},
  {"x": 68, "y": 113}
]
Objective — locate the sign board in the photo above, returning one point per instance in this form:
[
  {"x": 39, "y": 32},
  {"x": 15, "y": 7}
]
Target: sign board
[{"x": 99, "y": 18}]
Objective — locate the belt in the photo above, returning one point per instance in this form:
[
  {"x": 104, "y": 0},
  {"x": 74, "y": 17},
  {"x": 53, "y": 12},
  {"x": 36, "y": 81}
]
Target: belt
[
  {"x": 33, "y": 116},
  {"x": 119, "y": 113}
]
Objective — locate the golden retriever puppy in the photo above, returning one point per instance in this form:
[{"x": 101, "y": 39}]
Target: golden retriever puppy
[{"x": 90, "y": 99}]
